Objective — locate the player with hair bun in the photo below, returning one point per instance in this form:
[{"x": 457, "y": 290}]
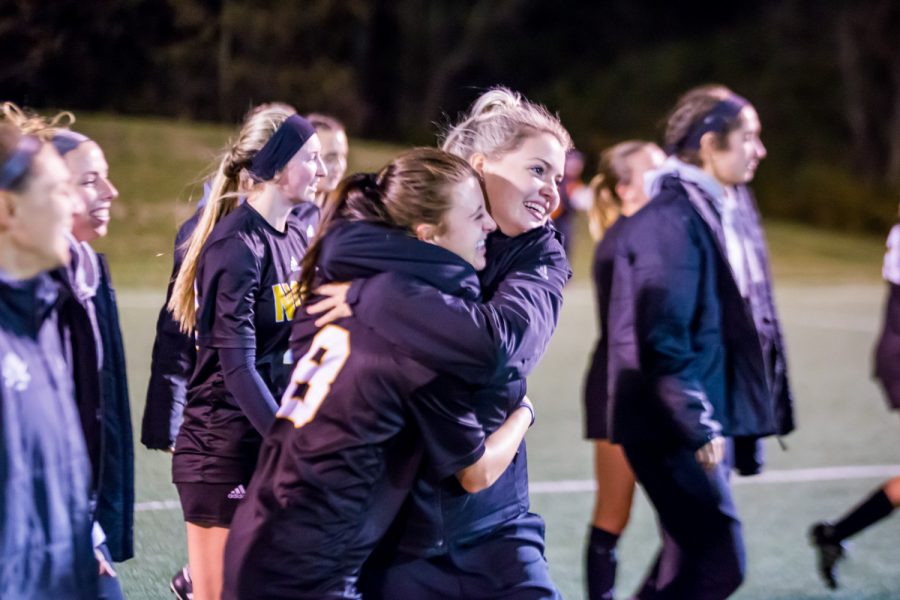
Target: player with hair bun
[{"x": 488, "y": 544}]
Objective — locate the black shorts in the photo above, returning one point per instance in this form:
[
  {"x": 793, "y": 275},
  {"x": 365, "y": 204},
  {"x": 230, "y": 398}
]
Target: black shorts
[{"x": 210, "y": 503}]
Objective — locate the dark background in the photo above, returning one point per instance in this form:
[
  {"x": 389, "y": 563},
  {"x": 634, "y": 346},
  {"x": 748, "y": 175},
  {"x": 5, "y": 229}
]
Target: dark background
[{"x": 824, "y": 75}]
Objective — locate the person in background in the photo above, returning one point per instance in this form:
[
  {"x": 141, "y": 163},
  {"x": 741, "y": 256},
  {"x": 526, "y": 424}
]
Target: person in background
[
  {"x": 828, "y": 537},
  {"x": 335, "y": 149},
  {"x": 696, "y": 359},
  {"x": 618, "y": 190},
  {"x": 571, "y": 190},
  {"x": 45, "y": 472}
]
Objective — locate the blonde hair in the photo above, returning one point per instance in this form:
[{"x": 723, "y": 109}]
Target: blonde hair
[
  {"x": 412, "y": 189},
  {"x": 498, "y": 123},
  {"x": 259, "y": 126},
  {"x": 613, "y": 169},
  {"x": 30, "y": 123}
]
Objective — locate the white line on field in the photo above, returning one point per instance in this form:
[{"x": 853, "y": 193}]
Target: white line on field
[
  {"x": 570, "y": 486},
  {"x": 789, "y": 476}
]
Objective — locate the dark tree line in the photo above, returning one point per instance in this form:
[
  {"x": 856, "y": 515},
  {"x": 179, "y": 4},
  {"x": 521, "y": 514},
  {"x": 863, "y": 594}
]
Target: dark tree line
[{"x": 825, "y": 74}]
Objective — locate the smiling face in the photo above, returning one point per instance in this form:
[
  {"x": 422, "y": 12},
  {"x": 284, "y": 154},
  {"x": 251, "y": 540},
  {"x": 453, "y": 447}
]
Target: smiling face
[
  {"x": 38, "y": 219},
  {"x": 465, "y": 226},
  {"x": 522, "y": 185},
  {"x": 94, "y": 191},
  {"x": 736, "y": 163},
  {"x": 301, "y": 176}
]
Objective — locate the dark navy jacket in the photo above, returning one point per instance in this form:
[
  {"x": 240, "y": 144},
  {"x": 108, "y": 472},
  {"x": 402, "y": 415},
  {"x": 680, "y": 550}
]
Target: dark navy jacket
[
  {"x": 175, "y": 353},
  {"x": 45, "y": 517},
  {"x": 171, "y": 363},
  {"x": 596, "y": 393},
  {"x": 494, "y": 344},
  {"x": 685, "y": 357},
  {"x": 338, "y": 463},
  {"x": 101, "y": 393}
]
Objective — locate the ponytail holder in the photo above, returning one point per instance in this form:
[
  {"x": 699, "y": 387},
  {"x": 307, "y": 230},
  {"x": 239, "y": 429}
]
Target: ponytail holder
[
  {"x": 280, "y": 148},
  {"x": 65, "y": 141},
  {"x": 716, "y": 120},
  {"x": 17, "y": 165}
]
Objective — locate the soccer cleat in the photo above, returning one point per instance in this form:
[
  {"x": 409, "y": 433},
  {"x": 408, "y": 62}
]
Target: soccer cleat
[
  {"x": 181, "y": 584},
  {"x": 829, "y": 551}
]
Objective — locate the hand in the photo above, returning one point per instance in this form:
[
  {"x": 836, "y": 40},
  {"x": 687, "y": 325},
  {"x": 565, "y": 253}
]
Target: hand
[
  {"x": 105, "y": 569},
  {"x": 334, "y": 304},
  {"x": 712, "y": 453}
]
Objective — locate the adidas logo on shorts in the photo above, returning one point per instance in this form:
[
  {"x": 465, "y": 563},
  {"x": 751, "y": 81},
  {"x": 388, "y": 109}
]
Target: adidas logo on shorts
[{"x": 237, "y": 493}]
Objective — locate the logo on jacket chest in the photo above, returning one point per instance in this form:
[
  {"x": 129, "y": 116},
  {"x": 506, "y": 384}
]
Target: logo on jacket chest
[
  {"x": 15, "y": 372},
  {"x": 286, "y": 297}
]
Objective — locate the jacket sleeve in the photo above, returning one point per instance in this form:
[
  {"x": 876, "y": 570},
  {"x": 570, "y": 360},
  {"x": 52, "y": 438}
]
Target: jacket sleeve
[
  {"x": 478, "y": 342},
  {"x": 667, "y": 271}
]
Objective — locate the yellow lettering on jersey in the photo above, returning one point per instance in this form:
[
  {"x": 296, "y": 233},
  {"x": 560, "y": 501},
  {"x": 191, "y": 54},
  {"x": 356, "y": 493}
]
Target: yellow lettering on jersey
[
  {"x": 332, "y": 348},
  {"x": 287, "y": 299}
]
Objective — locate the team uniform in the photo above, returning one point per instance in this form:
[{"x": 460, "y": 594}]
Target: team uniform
[
  {"x": 45, "y": 515},
  {"x": 451, "y": 543},
  {"x": 174, "y": 352},
  {"x": 596, "y": 396},
  {"x": 247, "y": 295},
  {"x": 350, "y": 437}
]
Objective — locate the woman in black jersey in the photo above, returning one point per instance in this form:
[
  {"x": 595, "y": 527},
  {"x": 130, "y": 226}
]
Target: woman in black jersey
[
  {"x": 360, "y": 416},
  {"x": 618, "y": 190},
  {"x": 236, "y": 290}
]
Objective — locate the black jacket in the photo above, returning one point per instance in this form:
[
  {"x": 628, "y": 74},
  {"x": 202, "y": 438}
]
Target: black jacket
[
  {"x": 101, "y": 393},
  {"x": 686, "y": 357}
]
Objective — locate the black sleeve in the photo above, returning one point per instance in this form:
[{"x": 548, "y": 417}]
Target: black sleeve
[
  {"x": 451, "y": 433},
  {"x": 479, "y": 342},
  {"x": 228, "y": 283},
  {"x": 172, "y": 362},
  {"x": 244, "y": 383},
  {"x": 666, "y": 279}
]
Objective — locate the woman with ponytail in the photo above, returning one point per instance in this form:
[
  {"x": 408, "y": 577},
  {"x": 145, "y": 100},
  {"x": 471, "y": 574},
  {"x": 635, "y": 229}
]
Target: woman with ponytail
[
  {"x": 334, "y": 471},
  {"x": 235, "y": 291},
  {"x": 618, "y": 190},
  {"x": 484, "y": 545}
]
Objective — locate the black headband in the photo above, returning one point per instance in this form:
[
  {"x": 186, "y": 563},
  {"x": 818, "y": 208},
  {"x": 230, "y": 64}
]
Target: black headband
[
  {"x": 716, "y": 120},
  {"x": 17, "y": 165},
  {"x": 280, "y": 148},
  {"x": 65, "y": 141}
]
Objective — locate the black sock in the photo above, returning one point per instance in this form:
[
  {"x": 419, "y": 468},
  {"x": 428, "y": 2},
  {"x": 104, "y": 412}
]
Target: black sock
[
  {"x": 601, "y": 564},
  {"x": 875, "y": 508}
]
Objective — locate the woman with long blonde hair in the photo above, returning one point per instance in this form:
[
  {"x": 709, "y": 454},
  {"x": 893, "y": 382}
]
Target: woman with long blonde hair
[{"x": 235, "y": 291}]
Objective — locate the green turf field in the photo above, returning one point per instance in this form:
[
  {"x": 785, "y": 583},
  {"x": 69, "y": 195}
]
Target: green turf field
[{"x": 830, "y": 297}]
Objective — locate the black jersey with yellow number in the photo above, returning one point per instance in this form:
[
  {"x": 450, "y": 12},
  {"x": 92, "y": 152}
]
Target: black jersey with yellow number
[
  {"x": 246, "y": 297},
  {"x": 351, "y": 434}
]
